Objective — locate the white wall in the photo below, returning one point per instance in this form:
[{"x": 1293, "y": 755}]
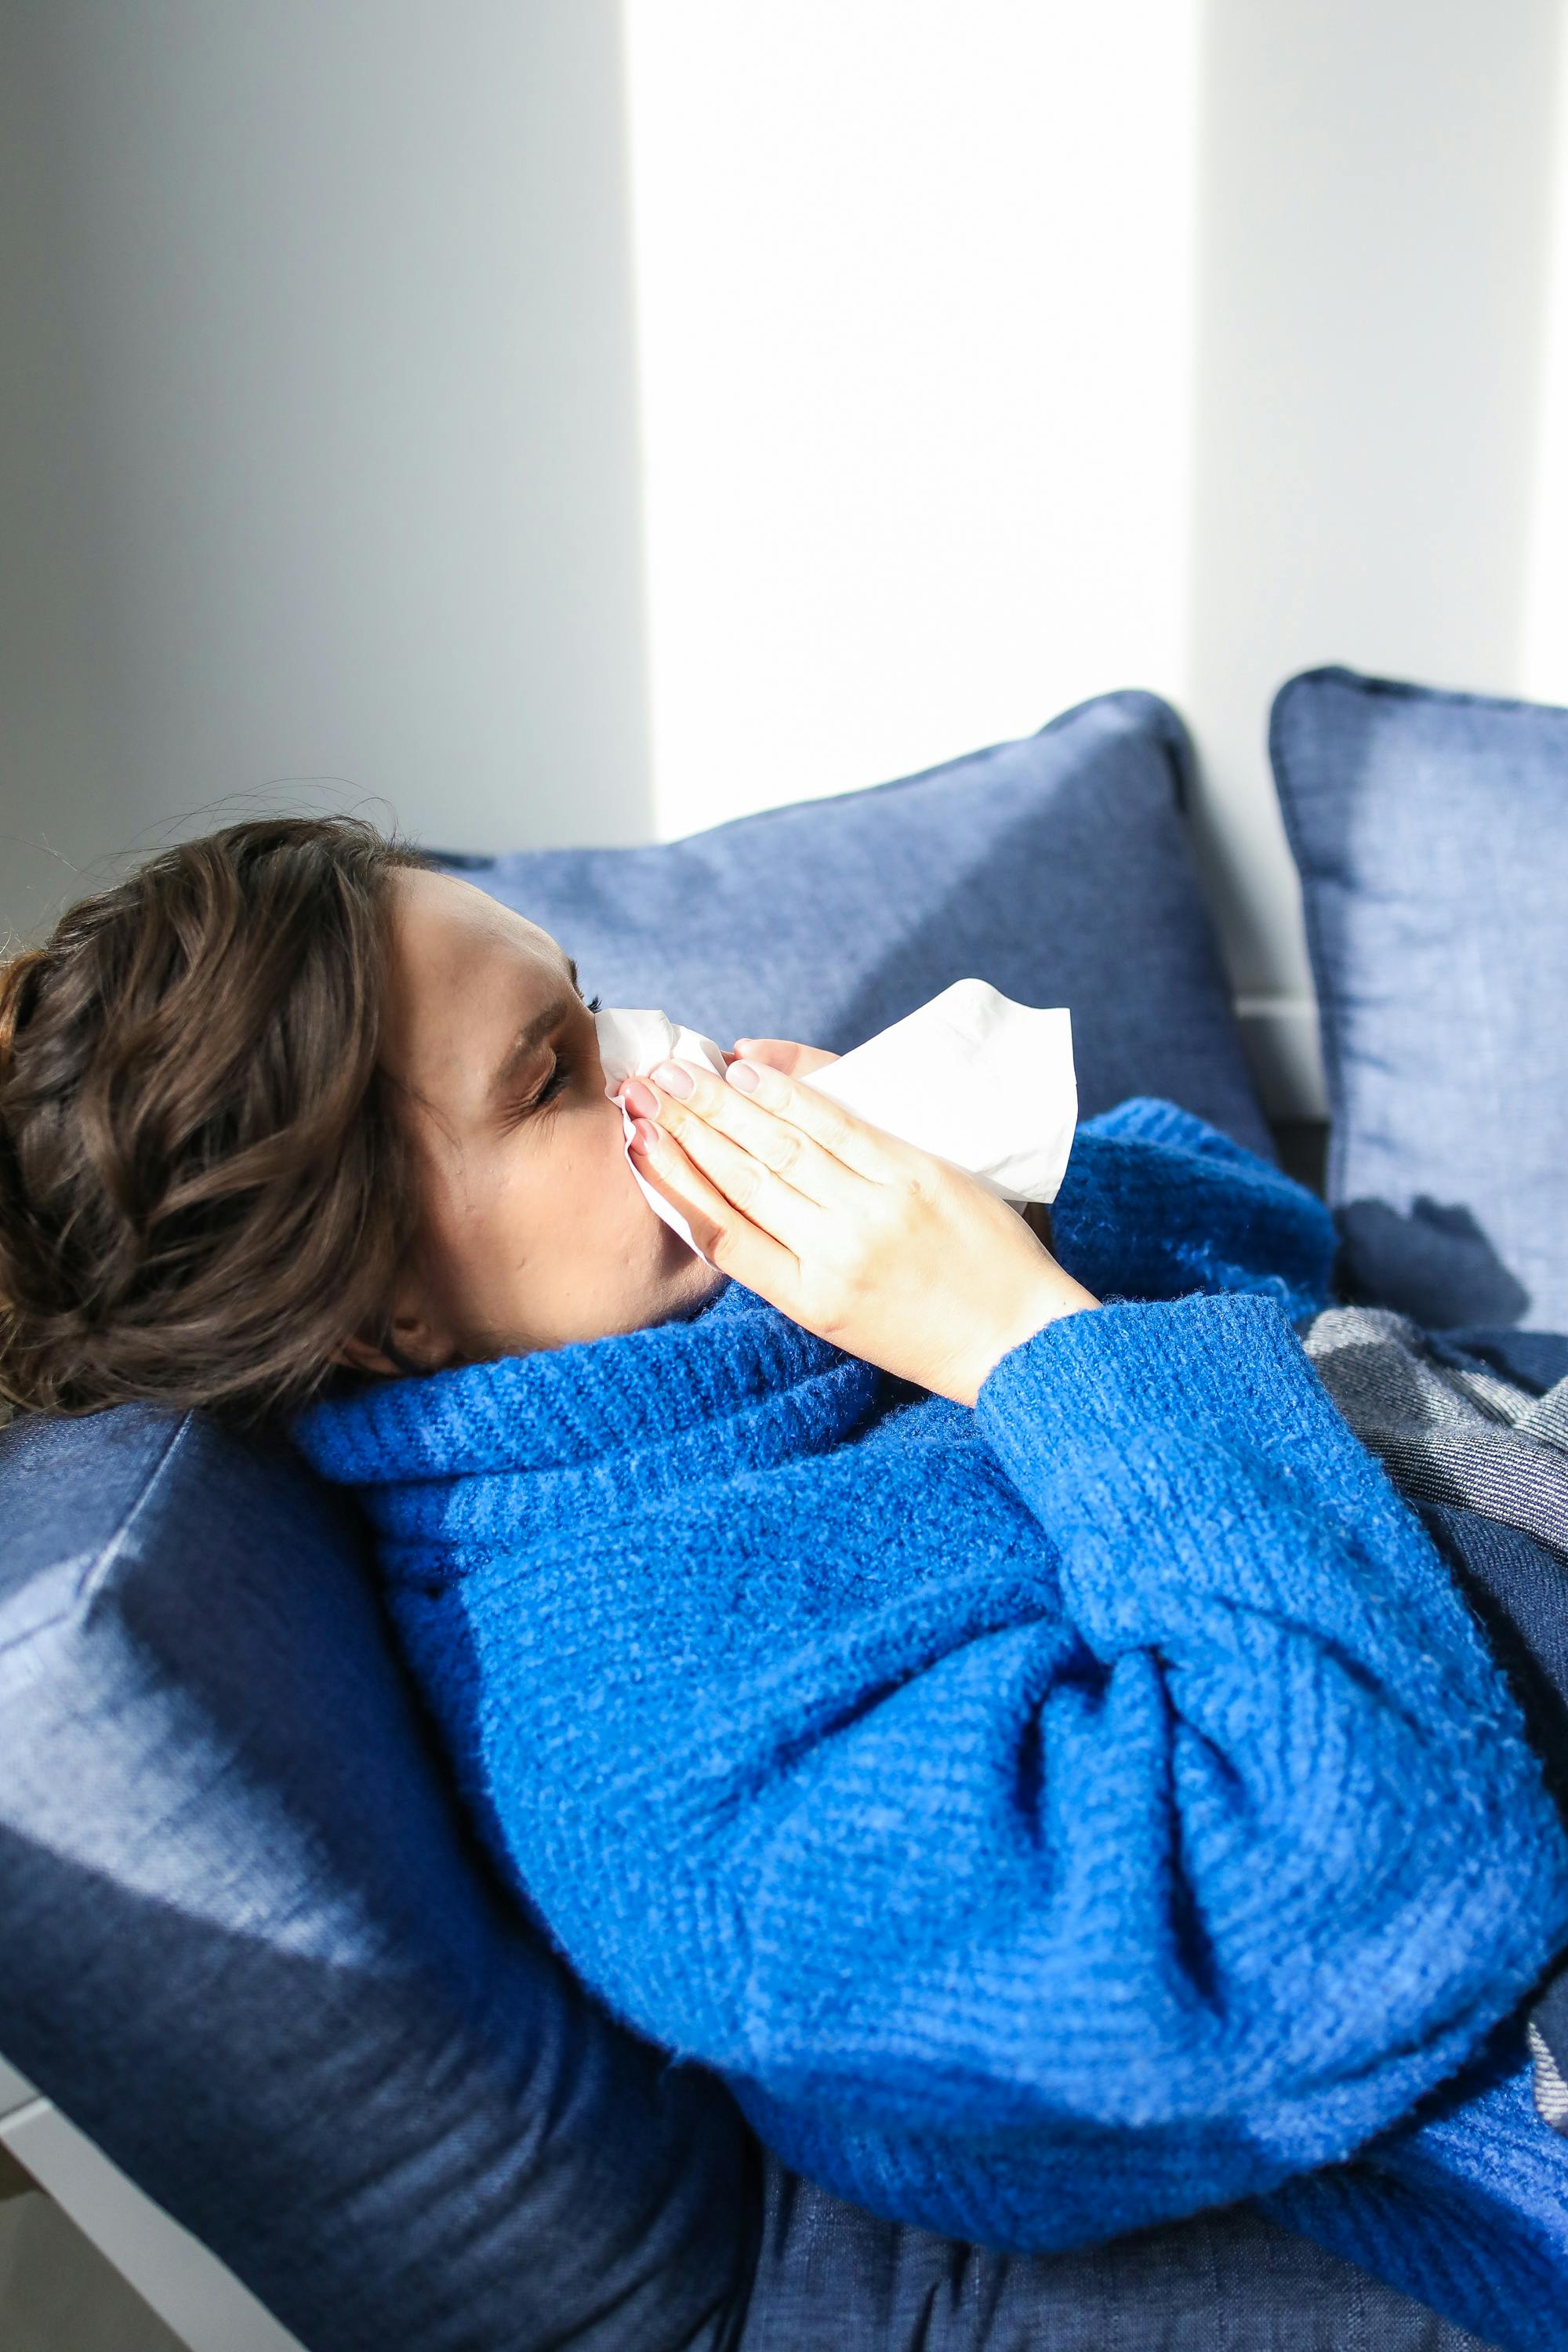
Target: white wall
[
  {"x": 567, "y": 422},
  {"x": 1376, "y": 194},
  {"x": 319, "y": 451},
  {"x": 1034, "y": 349},
  {"x": 1544, "y": 670},
  {"x": 915, "y": 321}
]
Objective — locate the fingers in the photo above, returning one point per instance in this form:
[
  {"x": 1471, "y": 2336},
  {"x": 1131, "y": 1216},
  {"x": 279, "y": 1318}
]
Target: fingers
[
  {"x": 726, "y": 1237},
  {"x": 778, "y": 1053},
  {"x": 782, "y": 1054},
  {"x": 854, "y": 1142},
  {"x": 777, "y": 1177}
]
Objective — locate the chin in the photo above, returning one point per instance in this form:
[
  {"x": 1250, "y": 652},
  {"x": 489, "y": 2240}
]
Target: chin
[{"x": 689, "y": 1279}]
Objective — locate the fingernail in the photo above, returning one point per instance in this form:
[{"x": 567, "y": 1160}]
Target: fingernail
[
  {"x": 745, "y": 1074},
  {"x": 640, "y": 1100},
  {"x": 674, "y": 1079},
  {"x": 643, "y": 1135}
]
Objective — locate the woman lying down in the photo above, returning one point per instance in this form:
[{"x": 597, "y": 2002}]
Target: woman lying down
[{"x": 981, "y": 1697}]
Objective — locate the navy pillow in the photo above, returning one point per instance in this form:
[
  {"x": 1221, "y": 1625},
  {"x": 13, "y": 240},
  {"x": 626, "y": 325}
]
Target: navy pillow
[
  {"x": 248, "y": 1944},
  {"x": 1431, "y": 833},
  {"x": 1056, "y": 868}
]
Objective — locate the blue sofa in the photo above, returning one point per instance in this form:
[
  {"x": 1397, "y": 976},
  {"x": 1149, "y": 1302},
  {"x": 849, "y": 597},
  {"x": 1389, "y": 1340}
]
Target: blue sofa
[{"x": 247, "y": 1942}]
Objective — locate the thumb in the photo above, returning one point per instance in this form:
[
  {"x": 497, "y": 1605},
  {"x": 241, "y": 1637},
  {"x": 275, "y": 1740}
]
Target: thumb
[
  {"x": 775, "y": 1053},
  {"x": 784, "y": 1054}
]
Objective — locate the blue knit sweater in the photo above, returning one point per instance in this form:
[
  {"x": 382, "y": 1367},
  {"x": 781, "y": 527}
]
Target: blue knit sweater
[{"x": 1052, "y": 1818}]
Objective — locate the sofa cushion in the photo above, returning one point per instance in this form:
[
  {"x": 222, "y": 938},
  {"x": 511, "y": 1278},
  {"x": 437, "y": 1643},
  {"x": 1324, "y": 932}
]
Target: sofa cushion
[
  {"x": 247, "y": 1944},
  {"x": 1056, "y": 867},
  {"x": 1430, "y": 830}
]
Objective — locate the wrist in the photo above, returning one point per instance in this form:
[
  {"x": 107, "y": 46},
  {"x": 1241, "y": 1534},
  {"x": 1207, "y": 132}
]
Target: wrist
[{"x": 1051, "y": 1296}]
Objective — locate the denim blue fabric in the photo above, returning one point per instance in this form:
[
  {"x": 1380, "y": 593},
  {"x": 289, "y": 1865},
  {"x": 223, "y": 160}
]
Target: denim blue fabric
[
  {"x": 832, "y": 2279},
  {"x": 246, "y": 1942},
  {"x": 1056, "y": 867},
  {"x": 1431, "y": 834}
]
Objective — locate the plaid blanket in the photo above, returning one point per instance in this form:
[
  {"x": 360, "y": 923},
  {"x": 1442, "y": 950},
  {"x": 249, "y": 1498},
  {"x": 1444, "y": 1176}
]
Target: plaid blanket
[{"x": 1456, "y": 1434}]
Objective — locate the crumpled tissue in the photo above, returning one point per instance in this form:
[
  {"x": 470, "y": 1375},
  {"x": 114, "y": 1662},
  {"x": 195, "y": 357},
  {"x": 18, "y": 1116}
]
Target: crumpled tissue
[{"x": 971, "y": 1076}]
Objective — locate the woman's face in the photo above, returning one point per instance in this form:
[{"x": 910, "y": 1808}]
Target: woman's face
[{"x": 534, "y": 1232}]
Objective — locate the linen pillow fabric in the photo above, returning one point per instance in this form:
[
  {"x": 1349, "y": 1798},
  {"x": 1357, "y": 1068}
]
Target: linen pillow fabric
[
  {"x": 244, "y": 1945},
  {"x": 1430, "y": 830},
  {"x": 1056, "y": 867}
]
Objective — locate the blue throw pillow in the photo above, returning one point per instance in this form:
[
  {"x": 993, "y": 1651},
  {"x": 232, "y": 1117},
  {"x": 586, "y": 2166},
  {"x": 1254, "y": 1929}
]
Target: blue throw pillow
[
  {"x": 1431, "y": 833},
  {"x": 248, "y": 1944},
  {"x": 1056, "y": 868}
]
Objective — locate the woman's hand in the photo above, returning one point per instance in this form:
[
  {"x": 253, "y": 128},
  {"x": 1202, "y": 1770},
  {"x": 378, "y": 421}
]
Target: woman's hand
[
  {"x": 891, "y": 1254},
  {"x": 782, "y": 1054},
  {"x": 799, "y": 1062}
]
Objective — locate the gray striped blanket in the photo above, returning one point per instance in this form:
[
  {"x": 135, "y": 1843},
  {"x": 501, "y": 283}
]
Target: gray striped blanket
[{"x": 1450, "y": 1430}]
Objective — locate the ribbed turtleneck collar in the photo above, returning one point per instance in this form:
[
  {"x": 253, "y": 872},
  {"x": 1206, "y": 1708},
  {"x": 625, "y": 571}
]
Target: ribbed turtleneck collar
[{"x": 736, "y": 1361}]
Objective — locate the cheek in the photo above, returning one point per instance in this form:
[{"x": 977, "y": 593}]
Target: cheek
[
  {"x": 552, "y": 1215},
  {"x": 635, "y": 1253},
  {"x": 607, "y": 1181},
  {"x": 582, "y": 1186}
]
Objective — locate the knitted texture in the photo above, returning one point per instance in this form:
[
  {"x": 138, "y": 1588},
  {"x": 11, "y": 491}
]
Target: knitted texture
[{"x": 1052, "y": 1818}]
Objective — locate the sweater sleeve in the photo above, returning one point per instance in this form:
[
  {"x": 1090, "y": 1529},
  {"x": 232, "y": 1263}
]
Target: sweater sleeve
[
  {"x": 1155, "y": 1203},
  {"x": 1245, "y": 1834}
]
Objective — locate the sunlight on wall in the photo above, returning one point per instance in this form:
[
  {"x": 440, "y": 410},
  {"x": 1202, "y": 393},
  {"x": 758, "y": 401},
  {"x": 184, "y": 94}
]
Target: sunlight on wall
[
  {"x": 1544, "y": 669},
  {"x": 914, "y": 292}
]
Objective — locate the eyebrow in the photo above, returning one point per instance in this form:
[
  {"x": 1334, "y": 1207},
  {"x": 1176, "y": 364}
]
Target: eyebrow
[{"x": 531, "y": 1035}]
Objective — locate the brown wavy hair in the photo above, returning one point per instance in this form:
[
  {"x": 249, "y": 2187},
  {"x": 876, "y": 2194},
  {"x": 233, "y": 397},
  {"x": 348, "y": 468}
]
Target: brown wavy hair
[{"x": 204, "y": 1188}]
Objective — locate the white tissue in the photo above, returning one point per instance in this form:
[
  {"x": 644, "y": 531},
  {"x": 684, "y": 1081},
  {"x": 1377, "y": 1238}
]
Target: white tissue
[
  {"x": 971, "y": 1076},
  {"x": 974, "y": 1079},
  {"x": 630, "y": 1044}
]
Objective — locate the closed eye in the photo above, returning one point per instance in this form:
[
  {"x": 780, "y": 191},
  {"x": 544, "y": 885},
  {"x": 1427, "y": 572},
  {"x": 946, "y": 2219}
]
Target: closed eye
[{"x": 560, "y": 1077}]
